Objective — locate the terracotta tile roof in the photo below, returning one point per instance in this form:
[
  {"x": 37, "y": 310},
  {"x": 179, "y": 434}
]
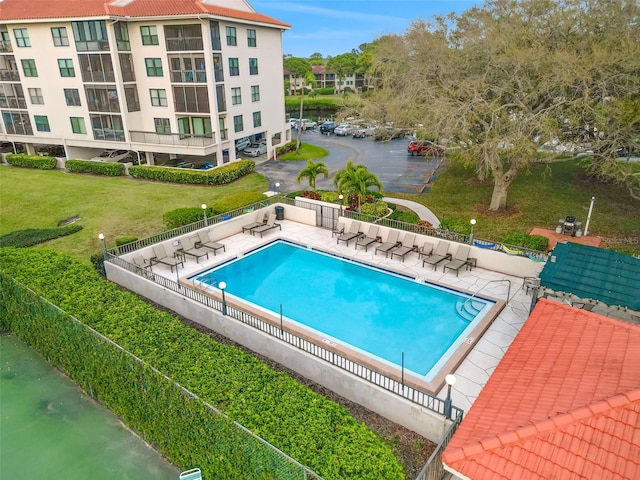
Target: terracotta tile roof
[
  {"x": 564, "y": 403},
  {"x": 59, "y": 9}
]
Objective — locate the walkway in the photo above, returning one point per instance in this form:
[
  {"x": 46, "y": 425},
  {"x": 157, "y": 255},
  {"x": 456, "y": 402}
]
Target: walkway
[{"x": 423, "y": 212}]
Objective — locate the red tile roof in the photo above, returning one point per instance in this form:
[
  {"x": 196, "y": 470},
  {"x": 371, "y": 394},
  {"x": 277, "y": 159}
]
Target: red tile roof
[
  {"x": 59, "y": 9},
  {"x": 564, "y": 403}
]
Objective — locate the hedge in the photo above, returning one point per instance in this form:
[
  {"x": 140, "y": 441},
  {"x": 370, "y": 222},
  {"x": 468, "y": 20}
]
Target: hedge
[
  {"x": 31, "y": 161},
  {"x": 217, "y": 176},
  {"x": 533, "y": 242},
  {"x": 34, "y": 236},
  {"x": 111, "y": 169},
  {"x": 317, "y": 104},
  {"x": 308, "y": 427}
]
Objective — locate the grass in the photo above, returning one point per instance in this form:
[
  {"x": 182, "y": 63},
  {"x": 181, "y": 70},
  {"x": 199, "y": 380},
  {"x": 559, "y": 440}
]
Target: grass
[
  {"x": 117, "y": 207},
  {"x": 307, "y": 152}
]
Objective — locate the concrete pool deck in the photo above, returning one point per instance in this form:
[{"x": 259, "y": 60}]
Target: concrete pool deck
[{"x": 474, "y": 371}]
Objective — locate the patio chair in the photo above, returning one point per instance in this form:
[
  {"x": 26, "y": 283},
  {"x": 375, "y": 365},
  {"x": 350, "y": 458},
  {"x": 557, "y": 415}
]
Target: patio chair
[
  {"x": 460, "y": 259},
  {"x": 258, "y": 223},
  {"x": 204, "y": 241},
  {"x": 187, "y": 247},
  {"x": 425, "y": 250},
  {"x": 391, "y": 243},
  {"x": 160, "y": 255},
  {"x": 354, "y": 232},
  {"x": 338, "y": 229},
  {"x": 142, "y": 262},
  {"x": 440, "y": 254},
  {"x": 371, "y": 237},
  {"x": 271, "y": 224},
  {"x": 408, "y": 245}
]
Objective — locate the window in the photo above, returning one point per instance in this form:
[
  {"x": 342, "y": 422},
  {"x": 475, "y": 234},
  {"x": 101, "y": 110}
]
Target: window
[
  {"x": 154, "y": 67},
  {"x": 163, "y": 125},
  {"x": 191, "y": 99},
  {"x": 102, "y": 98},
  {"x": 17, "y": 123},
  {"x": 257, "y": 119},
  {"x": 217, "y": 67},
  {"x": 107, "y": 127},
  {"x": 126, "y": 67},
  {"x": 90, "y": 35},
  {"x": 29, "y": 68},
  {"x": 251, "y": 37},
  {"x": 237, "y": 124},
  {"x": 234, "y": 68},
  {"x": 253, "y": 66},
  {"x": 158, "y": 97},
  {"x": 183, "y": 37},
  {"x": 42, "y": 123},
  {"x": 59, "y": 35},
  {"x": 255, "y": 93},
  {"x": 236, "y": 96},
  {"x": 187, "y": 68},
  {"x": 122, "y": 36},
  {"x": 232, "y": 41},
  {"x": 66, "y": 67},
  {"x": 36, "y": 96},
  {"x": 149, "y": 35},
  {"x": 96, "y": 67},
  {"x": 214, "y": 28},
  {"x": 22, "y": 37},
  {"x": 72, "y": 96},
  {"x": 77, "y": 125},
  {"x": 131, "y": 96}
]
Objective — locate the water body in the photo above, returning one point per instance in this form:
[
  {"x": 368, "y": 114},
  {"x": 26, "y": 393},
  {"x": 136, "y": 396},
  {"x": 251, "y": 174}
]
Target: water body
[{"x": 50, "y": 429}]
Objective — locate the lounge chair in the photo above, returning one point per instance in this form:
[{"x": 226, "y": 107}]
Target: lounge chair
[
  {"x": 440, "y": 254},
  {"x": 371, "y": 237},
  {"x": 188, "y": 248},
  {"x": 271, "y": 223},
  {"x": 258, "y": 223},
  {"x": 425, "y": 250},
  {"x": 142, "y": 262},
  {"x": 460, "y": 259},
  {"x": 408, "y": 245},
  {"x": 204, "y": 241},
  {"x": 160, "y": 255},
  {"x": 391, "y": 243},
  {"x": 354, "y": 232},
  {"x": 338, "y": 229}
]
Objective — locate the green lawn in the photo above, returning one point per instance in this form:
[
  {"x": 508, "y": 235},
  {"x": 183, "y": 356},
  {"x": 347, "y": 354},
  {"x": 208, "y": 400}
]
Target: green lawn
[
  {"x": 306, "y": 152},
  {"x": 117, "y": 207}
]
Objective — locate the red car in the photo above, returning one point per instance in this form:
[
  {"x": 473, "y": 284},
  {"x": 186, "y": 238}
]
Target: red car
[{"x": 425, "y": 147}]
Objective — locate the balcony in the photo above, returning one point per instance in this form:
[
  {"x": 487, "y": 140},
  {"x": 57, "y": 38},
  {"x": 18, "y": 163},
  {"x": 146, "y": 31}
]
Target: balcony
[
  {"x": 108, "y": 134},
  {"x": 5, "y": 46},
  {"x": 189, "y": 76},
  {"x": 175, "y": 139},
  {"x": 9, "y": 76},
  {"x": 184, "y": 44},
  {"x": 13, "y": 102}
]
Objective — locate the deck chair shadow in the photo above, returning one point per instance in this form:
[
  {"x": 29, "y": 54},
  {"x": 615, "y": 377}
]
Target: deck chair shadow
[
  {"x": 408, "y": 245},
  {"x": 460, "y": 259},
  {"x": 261, "y": 219},
  {"x": 204, "y": 241},
  {"x": 271, "y": 224},
  {"x": 370, "y": 238},
  {"x": 391, "y": 243},
  {"x": 440, "y": 254},
  {"x": 188, "y": 247},
  {"x": 353, "y": 233},
  {"x": 160, "y": 255}
]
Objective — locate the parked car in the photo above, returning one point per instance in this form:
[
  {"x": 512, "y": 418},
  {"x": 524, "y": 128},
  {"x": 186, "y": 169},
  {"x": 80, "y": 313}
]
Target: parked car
[
  {"x": 256, "y": 149},
  {"x": 242, "y": 143},
  {"x": 425, "y": 147},
  {"x": 327, "y": 127},
  {"x": 343, "y": 129},
  {"x": 112, "y": 156},
  {"x": 307, "y": 124},
  {"x": 363, "y": 132}
]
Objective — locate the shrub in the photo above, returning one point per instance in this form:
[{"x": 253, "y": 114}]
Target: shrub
[
  {"x": 377, "y": 209},
  {"x": 331, "y": 197},
  {"x": 323, "y": 105},
  {"x": 407, "y": 217},
  {"x": 35, "y": 236},
  {"x": 312, "y": 195},
  {"x": 125, "y": 240},
  {"x": 32, "y": 161},
  {"x": 182, "y": 216},
  {"x": 217, "y": 176},
  {"x": 324, "y": 91},
  {"x": 236, "y": 201},
  {"x": 456, "y": 225},
  {"x": 533, "y": 242},
  {"x": 110, "y": 169},
  {"x": 286, "y": 148}
]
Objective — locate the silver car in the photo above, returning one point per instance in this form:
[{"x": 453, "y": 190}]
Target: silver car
[
  {"x": 343, "y": 129},
  {"x": 256, "y": 149}
]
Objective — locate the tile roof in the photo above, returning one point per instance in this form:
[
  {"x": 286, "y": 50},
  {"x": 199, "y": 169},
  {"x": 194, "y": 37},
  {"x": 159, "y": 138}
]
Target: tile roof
[
  {"x": 59, "y": 9},
  {"x": 590, "y": 272},
  {"x": 564, "y": 403}
]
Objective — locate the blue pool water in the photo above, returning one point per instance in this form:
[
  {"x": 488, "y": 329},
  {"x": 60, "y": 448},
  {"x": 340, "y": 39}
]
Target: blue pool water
[{"x": 377, "y": 312}]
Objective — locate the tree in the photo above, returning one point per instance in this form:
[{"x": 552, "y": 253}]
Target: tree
[
  {"x": 343, "y": 65},
  {"x": 500, "y": 80},
  {"x": 311, "y": 172},
  {"x": 316, "y": 59},
  {"x": 297, "y": 68},
  {"x": 356, "y": 180}
]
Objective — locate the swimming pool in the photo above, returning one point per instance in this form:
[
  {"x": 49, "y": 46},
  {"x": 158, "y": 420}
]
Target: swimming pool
[{"x": 387, "y": 315}]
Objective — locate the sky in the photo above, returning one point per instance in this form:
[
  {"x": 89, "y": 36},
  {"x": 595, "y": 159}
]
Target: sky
[{"x": 335, "y": 27}]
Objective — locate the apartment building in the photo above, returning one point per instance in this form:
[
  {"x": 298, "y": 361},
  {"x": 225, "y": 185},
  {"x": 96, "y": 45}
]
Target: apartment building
[
  {"x": 162, "y": 78},
  {"x": 326, "y": 78}
]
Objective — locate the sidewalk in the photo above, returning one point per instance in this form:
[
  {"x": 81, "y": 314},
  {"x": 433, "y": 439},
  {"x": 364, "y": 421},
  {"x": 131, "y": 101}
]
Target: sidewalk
[{"x": 423, "y": 212}]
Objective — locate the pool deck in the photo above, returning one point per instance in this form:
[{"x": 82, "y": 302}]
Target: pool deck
[{"x": 474, "y": 371}]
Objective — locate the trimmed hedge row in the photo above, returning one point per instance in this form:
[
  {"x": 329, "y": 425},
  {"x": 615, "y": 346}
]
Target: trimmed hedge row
[
  {"x": 110, "y": 169},
  {"x": 31, "y": 161},
  {"x": 35, "y": 236},
  {"x": 303, "y": 424},
  {"x": 217, "y": 176}
]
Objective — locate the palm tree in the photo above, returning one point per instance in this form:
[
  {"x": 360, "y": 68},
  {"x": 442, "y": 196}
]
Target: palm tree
[
  {"x": 356, "y": 179},
  {"x": 311, "y": 172}
]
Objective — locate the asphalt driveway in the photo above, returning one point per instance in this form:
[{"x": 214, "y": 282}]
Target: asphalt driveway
[{"x": 398, "y": 171}]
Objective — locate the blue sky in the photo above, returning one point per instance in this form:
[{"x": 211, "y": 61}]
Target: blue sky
[{"x": 335, "y": 27}]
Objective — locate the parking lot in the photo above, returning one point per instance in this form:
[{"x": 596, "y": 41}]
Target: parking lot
[{"x": 398, "y": 171}]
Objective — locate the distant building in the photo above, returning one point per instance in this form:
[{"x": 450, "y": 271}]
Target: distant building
[
  {"x": 162, "y": 78},
  {"x": 328, "y": 79}
]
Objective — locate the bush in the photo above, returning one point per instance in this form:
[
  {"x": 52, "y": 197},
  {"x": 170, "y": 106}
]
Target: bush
[
  {"x": 330, "y": 196},
  {"x": 110, "y": 169},
  {"x": 324, "y": 91},
  {"x": 407, "y": 217},
  {"x": 532, "y": 242},
  {"x": 217, "y": 176},
  {"x": 456, "y": 225},
  {"x": 377, "y": 209},
  {"x": 32, "y": 161},
  {"x": 125, "y": 240},
  {"x": 286, "y": 148},
  {"x": 238, "y": 200},
  {"x": 326, "y": 106},
  {"x": 312, "y": 195},
  {"x": 182, "y": 216},
  {"x": 35, "y": 236}
]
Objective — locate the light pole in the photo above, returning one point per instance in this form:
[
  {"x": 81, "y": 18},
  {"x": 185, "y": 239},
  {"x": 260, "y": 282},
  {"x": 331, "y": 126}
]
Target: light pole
[
  {"x": 277, "y": 187},
  {"x": 104, "y": 244},
  {"x": 472, "y": 222},
  {"x": 222, "y": 286},
  {"x": 204, "y": 210},
  {"x": 450, "y": 380},
  {"x": 586, "y": 226},
  {"x": 341, "y": 198}
]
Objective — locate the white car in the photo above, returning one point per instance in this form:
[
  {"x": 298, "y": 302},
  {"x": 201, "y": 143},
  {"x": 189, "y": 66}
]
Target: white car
[
  {"x": 256, "y": 149},
  {"x": 343, "y": 129},
  {"x": 112, "y": 156},
  {"x": 242, "y": 143},
  {"x": 307, "y": 124}
]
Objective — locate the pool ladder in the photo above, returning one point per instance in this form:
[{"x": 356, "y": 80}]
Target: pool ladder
[{"x": 469, "y": 309}]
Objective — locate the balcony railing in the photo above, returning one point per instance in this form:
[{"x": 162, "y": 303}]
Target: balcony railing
[
  {"x": 13, "y": 102},
  {"x": 9, "y": 76},
  {"x": 109, "y": 134},
  {"x": 189, "y": 76},
  {"x": 5, "y": 46},
  {"x": 184, "y": 44},
  {"x": 178, "y": 139}
]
